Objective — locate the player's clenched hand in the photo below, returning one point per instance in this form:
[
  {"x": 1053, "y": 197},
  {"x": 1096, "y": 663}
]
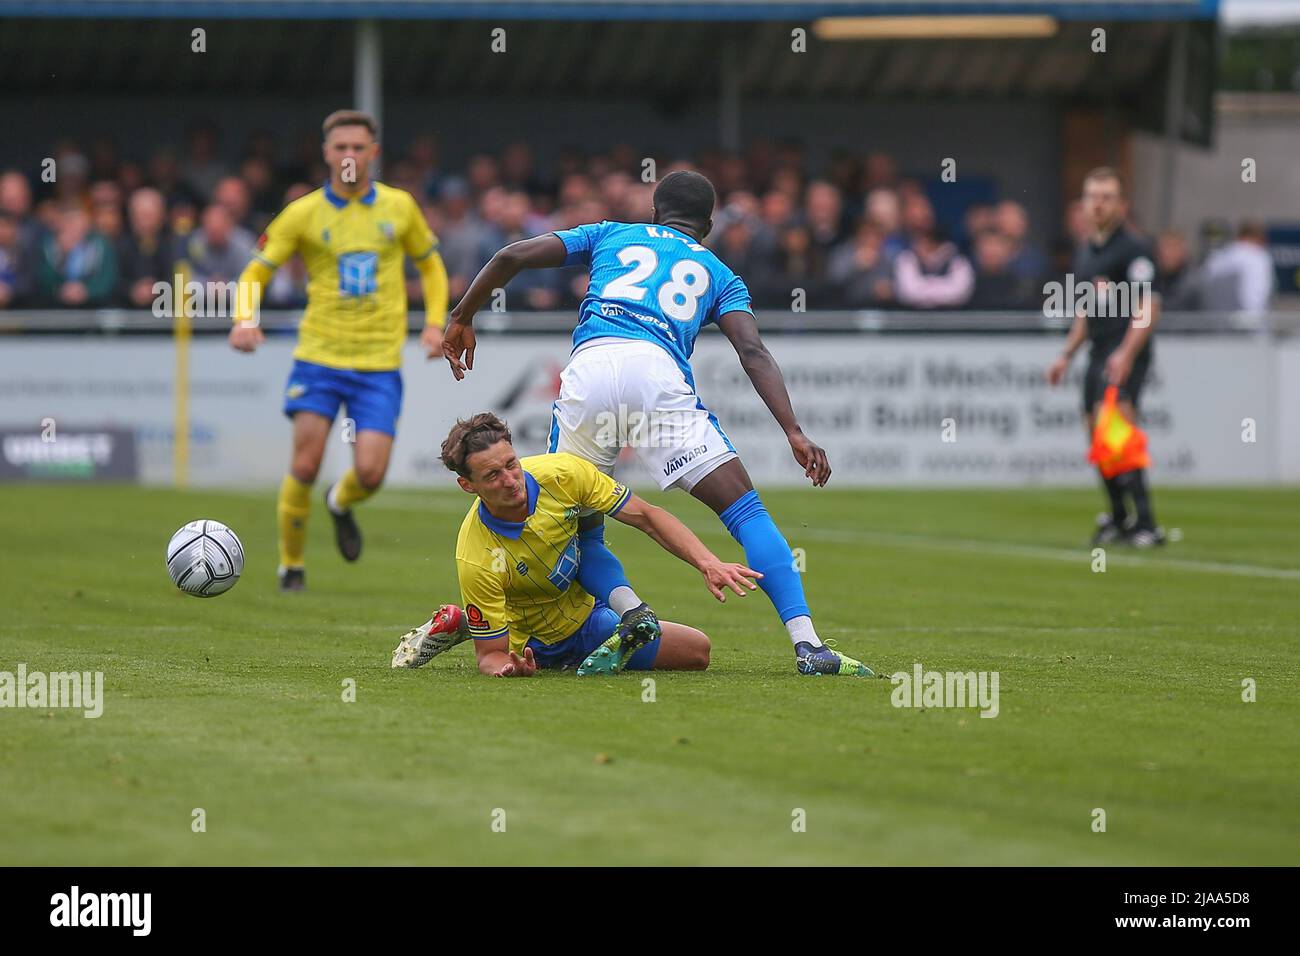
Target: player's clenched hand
[
  {"x": 245, "y": 338},
  {"x": 459, "y": 341},
  {"x": 1056, "y": 371},
  {"x": 517, "y": 666},
  {"x": 812, "y": 458},
  {"x": 431, "y": 341},
  {"x": 719, "y": 575}
]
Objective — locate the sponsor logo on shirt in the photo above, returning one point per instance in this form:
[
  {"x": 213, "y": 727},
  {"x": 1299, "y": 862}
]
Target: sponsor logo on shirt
[{"x": 611, "y": 310}]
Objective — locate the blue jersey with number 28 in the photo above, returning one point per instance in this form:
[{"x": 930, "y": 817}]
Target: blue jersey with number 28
[{"x": 650, "y": 282}]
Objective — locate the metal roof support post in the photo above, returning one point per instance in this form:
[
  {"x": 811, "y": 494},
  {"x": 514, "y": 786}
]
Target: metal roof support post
[
  {"x": 729, "y": 101},
  {"x": 1175, "y": 94},
  {"x": 368, "y": 76}
]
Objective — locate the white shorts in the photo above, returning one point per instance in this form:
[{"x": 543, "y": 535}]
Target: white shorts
[{"x": 618, "y": 393}]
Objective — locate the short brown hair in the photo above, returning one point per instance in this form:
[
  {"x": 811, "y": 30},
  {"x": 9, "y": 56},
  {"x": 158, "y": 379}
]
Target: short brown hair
[
  {"x": 1106, "y": 172},
  {"x": 349, "y": 118},
  {"x": 1252, "y": 229},
  {"x": 466, "y": 437}
]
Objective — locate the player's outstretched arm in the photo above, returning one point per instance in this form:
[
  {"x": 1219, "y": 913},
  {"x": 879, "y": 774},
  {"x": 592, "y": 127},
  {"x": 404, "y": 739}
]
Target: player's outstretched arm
[
  {"x": 679, "y": 541},
  {"x": 496, "y": 659},
  {"x": 741, "y": 329},
  {"x": 540, "y": 252}
]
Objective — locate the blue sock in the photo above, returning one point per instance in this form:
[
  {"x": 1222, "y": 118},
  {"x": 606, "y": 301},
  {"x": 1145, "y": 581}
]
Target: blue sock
[
  {"x": 599, "y": 572},
  {"x": 767, "y": 552}
]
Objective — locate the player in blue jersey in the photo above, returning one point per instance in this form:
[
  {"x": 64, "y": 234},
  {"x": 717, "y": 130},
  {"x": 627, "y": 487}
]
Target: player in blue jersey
[{"x": 629, "y": 383}]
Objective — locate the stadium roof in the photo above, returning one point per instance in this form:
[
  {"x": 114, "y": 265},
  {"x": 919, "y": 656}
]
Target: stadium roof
[
  {"x": 580, "y": 58},
  {"x": 787, "y": 10},
  {"x": 577, "y": 48}
]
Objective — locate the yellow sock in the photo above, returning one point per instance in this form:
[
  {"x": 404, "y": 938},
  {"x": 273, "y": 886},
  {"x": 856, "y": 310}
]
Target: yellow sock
[
  {"x": 349, "y": 491},
  {"x": 292, "y": 509}
]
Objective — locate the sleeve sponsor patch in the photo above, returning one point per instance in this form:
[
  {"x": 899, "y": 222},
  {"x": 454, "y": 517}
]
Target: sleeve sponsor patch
[
  {"x": 474, "y": 616},
  {"x": 622, "y": 494}
]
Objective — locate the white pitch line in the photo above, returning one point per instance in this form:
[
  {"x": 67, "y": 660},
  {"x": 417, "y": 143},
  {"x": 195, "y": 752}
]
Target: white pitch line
[
  {"x": 1082, "y": 555},
  {"x": 1004, "y": 548},
  {"x": 1029, "y": 629}
]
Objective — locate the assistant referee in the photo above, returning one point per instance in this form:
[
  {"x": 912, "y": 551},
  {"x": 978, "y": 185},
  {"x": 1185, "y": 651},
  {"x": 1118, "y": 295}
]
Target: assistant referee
[{"x": 1120, "y": 339}]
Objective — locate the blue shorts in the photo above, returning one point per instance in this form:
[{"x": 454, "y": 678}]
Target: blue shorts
[
  {"x": 373, "y": 399},
  {"x": 575, "y": 648}
]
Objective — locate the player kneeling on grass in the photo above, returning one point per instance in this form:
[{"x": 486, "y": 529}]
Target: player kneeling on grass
[{"x": 517, "y": 558}]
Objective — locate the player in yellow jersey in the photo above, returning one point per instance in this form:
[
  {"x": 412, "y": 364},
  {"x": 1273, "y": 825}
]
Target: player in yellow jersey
[
  {"x": 353, "y": 234},
  {"x": 517, "y": 558}
]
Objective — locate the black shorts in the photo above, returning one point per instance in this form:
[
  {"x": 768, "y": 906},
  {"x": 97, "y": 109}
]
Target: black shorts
[{"x": 1094, "y": 382}]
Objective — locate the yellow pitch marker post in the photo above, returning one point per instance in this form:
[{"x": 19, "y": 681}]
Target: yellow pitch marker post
[{"x": 182, "y": 331}]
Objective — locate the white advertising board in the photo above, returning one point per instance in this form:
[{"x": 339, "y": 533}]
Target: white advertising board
[{"x": 878, "y": 404}]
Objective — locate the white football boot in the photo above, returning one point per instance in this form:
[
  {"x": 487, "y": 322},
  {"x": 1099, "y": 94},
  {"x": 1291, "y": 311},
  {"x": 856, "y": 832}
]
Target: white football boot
[{"x": 422, "y": 644}]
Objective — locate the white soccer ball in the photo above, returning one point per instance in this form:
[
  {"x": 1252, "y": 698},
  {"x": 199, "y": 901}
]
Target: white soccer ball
[{"x": 205, "y": 558}]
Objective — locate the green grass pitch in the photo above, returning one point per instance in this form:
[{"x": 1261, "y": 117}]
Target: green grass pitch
[{"x": 1119, "y": 690}]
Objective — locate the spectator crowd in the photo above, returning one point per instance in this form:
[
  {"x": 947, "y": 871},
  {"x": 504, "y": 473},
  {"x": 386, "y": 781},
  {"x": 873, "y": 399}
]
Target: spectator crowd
[{"x": 854, "y": 235}]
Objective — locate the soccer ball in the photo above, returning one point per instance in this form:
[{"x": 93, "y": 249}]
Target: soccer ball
[{"x": 205, "y": 558}]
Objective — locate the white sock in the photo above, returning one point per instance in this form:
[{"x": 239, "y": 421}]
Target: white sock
[
  {"x": 801, "y": 631},
  {"x": 331, "y": 501},
  {"x": 622, "y": 599}
]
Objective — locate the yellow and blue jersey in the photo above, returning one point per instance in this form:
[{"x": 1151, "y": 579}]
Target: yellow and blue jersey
[
  {"x": 356, "y": 291},
  {"x": 650, "y": 282},
  {"x": 519, "y": 579}
]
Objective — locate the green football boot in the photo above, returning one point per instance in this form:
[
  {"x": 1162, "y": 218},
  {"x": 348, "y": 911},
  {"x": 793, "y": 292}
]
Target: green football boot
[
  {"x": 637, "y": 628},
  {"x": 815, "y": 661}
]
